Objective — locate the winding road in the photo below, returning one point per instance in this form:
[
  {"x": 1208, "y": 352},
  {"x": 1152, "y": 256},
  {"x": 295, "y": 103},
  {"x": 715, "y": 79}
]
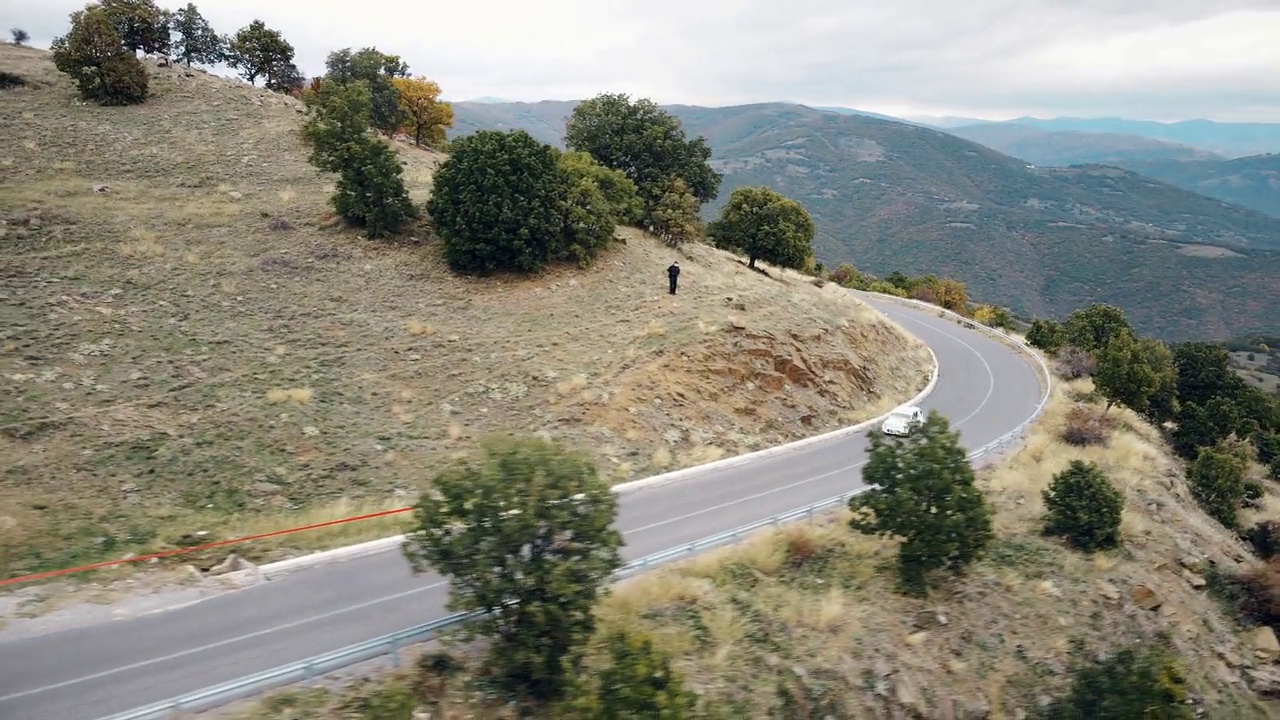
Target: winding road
[{"x": 984, "y": 387}]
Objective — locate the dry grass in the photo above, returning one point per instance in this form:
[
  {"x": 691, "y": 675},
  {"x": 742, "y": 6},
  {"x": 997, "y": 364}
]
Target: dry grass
[
  {"x": 179, "y": 362},
  {"x": 819, "y": 600}
]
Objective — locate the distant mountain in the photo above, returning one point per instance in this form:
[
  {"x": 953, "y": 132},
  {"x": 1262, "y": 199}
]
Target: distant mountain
[
  {"x": 892, "y": 196},
  {"x": 865, "y": 113},
  {"x": 1061, "y": 148},
  {"x": 1227, "y": 139},
  {"x": 1252, "y": 182}
]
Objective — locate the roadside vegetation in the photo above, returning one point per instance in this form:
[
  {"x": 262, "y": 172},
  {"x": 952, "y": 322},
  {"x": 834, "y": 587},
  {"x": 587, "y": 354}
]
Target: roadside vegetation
[{"x": 1101, "y": 583}]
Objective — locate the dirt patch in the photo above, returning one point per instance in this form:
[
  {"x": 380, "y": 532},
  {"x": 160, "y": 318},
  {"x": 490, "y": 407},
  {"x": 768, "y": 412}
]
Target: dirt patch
[{"x": 192, "y": 349}]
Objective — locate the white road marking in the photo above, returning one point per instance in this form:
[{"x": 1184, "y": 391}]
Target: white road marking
[{"x": 220, "y": 643}]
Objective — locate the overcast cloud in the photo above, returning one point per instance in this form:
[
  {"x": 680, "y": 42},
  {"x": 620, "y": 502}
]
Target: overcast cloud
[{"x": 1146, "y": 59}]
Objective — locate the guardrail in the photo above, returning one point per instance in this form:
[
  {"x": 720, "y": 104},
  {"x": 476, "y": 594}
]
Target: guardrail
[{"x": 391, "y": 644}]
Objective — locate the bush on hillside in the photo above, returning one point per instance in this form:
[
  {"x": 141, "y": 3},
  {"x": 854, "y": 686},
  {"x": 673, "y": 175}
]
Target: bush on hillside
[
  {"x": 1265, "y": 538},
  {"x": 1073, "y": 363},
  {"x": 1136, "y": 682},
  {"x": 93, "y": 54},
  {"x": 994, "y": 316},
  {"x": 370, "y": 191},
  {"x": 11, "y": 80},
  {"x": 1261, "y": 585},
  {"x": 674, "y": 218},
  {"x": 1083, "y": 506},
  {"x": 496, "y": 203},
  {"x": 1094, "y": 327},
  {"x": 638, "y": 681},
  {"x": 1216, "y": 478},
  {"x": 20, "y": 36},
  {"x": 927, "y": 495},
  {"x": 1046, "y": 335},
  {"x": 1086, "y": 426}
]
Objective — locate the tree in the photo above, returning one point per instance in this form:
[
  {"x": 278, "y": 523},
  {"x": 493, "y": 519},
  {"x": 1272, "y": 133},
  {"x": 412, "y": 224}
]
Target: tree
[
  {"x": 1082, "y": 505},
  {"x": 993, "y": 316},
  {"x": 526, "y": 535},
  {"x": 20, "y": 36},
  {"x": 370, "y": 191},
  {"x": 1162, "y": 403},
  {"x": 1204, "y": 426},
  {"x": 1095, "y": 326},
  {"x": 951, "y": 294},
  {"x": 764, "y": 225},
  {"x": 425, "y": 116},
  {"x": 377, "y": 70},
  {"x": 926, "y": 495},
  {"x": 95, "y": 57},
  {"x": 1217, "y": 483},
  {"x": 638, "y": 682},
  {"x": 674, "y": 218},
  {"x": 1204, "y": 372},
  {"x": 616, "y": 187},
  {"x": 258, "y": 51},
  {"x": 142, "y": 25},
  {"x": 497, "y": 203},
  {"x": 1123, "y": 375},
  {"x": 285, "y": 78},
  {"x": 645, "y": 143},
  {"x": 1046, "y": 335},
  {"x": 1135, "y": 682},
  {"x": 197, "y": 42}
]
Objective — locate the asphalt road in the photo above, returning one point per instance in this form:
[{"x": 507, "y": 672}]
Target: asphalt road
[{"x": 984, "y": 387}]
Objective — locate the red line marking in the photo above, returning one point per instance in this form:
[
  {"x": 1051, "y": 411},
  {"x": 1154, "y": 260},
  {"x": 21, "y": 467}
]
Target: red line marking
[{"x": 179, "y": 551}]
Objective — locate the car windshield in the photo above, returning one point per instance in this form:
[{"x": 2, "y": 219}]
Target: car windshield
[{"x": 900, "y": 416}]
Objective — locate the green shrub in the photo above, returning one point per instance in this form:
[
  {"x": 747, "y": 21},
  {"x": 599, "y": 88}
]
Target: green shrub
[
  {"x": 496, "y": 203},
  {"x": 1265, "y": 538},
  {"x": 11, "y": 80},
  {"x": 637, "y": 682},
  {"x": 1045, "y": 335},
  {"x": 1084, "y": 507},
  {"x": 1217, "y": 483},
  {"x": 1136, "y": 682},
  {"x": 93, "y": 54}
]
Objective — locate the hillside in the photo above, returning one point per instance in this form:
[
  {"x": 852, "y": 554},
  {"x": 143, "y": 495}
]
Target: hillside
[
  {"x": 1251, "y": 182},
  {"x": 1222, "y": 138},
  {"x": 193, "y": 347},
  {"x": 889, "y": 196},
  {"x": 812, "y": 610},
  {"x": 1060, "y": 148}
]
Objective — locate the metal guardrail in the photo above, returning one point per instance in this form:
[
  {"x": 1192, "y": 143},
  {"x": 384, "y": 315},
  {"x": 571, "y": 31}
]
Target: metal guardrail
[{"x": 391, "y": 644}]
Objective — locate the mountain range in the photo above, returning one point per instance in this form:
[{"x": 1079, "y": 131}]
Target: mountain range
[{"x": 887, "y": 195}]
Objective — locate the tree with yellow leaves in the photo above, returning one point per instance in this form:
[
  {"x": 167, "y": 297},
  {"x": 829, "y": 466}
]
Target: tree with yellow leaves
[{"x": 426, "y": 117}]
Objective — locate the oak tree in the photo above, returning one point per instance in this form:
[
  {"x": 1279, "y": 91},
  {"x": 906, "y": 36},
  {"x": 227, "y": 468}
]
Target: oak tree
[
  {"x": 525, "y": 534},
  {"x": 1217, "y": 482},
  {"x": 424, "y": 116},
  {"x": 93, "y": 54},
  {"x": 196, "y": 42},
  {"x": 1095, "y": 326},
  {"x": 925, "y": 493},
  {"x": 1083, "y": 505},
  {"x": 645, "y": 143},
  {"x": 20, "y": 36},
  {"x": 257, "y": 51},
  {"x": 376, "y": 70},
  {"x": 763, "y": 224},
  {"x": 141, "y": 23},
  {"x": 1126, "y": 374}
]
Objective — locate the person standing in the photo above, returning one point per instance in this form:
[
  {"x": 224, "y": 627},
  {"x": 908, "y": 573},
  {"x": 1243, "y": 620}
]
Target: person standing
[{"x": 673, "y": 276}]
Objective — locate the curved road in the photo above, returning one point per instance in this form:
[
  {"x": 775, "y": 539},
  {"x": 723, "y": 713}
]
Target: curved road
[{"x": 984, "y": 387}]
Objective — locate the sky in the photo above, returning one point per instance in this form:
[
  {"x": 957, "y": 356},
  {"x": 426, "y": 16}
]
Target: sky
[{"x": 1163, "y": 60}]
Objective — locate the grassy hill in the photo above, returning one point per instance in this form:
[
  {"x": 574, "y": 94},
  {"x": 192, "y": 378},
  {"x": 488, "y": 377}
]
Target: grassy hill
[
  {"x": 890, "y": 196},
  {"x": 194, "y": 348},
  {"x": 1060, "y": 148}
]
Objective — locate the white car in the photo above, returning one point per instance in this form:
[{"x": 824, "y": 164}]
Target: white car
[{"x": 903, "y": 421}]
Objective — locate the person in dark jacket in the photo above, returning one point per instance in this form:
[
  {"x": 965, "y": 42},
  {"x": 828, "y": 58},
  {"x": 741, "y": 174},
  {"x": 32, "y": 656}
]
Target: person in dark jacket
[{"x": 673, "y": 275}]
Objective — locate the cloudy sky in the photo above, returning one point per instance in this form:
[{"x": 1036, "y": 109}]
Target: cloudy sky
[{"x": 1148, "y": 59}]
